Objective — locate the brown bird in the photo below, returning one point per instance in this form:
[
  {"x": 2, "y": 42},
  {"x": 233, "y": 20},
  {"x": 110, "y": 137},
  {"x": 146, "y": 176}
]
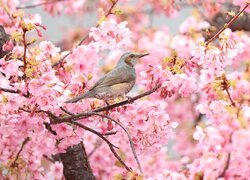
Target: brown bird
[{"x": 117, "y": 82}]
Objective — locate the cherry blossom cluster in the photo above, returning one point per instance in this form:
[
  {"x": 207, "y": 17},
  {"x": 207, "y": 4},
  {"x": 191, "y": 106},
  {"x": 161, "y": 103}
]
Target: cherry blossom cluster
[{"x": 195, "y": 126}]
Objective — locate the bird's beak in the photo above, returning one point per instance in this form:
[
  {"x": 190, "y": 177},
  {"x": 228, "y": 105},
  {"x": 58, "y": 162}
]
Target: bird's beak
[{"x": 142, "y": 55}]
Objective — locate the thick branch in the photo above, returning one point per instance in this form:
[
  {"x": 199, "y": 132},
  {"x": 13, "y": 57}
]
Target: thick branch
[{"x": 75, "y": 163}]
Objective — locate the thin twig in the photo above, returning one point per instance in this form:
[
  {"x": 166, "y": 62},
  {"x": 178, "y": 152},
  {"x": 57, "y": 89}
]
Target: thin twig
[
  {"x": 49, "y": 128},
  {"x": 129, "y": 137},
  {"x": 226, "y": 25},
  {"x": 230, "y": 98},
  {"x": 111, "y": 146},
  {"x": 94, "y": 132},
  {"x": 109, "y": 133},
  {"x": 26, "y": 140},
  {"x": 39, "y": 4},
  {"x": 225, "y": 86},
  {"x": 86, "y": 36},
  {"x": 66, "y": 111},
  {"x": 13, "y": 91}
]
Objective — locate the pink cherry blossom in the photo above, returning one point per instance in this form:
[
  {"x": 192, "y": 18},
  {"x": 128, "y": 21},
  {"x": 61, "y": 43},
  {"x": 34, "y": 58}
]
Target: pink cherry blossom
[
  {"x": 194, "y": 126},
  {"x": 111, "y": 35}
]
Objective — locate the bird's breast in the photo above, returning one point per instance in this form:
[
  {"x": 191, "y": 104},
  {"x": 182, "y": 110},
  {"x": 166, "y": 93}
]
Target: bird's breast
[{"x": 115, "y": 91}]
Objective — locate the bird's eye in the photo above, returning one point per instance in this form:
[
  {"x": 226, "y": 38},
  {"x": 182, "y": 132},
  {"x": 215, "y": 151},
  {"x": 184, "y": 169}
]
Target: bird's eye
[{"x": 132, "y": 55}]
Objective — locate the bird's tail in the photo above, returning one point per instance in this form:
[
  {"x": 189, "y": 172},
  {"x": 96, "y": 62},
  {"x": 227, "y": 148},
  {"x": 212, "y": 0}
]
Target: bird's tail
[{"x": 83, "y": 96}]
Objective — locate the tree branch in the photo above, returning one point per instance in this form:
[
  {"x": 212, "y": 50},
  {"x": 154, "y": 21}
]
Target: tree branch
[
  {"x": 10, "y": 90},
  {"x": 110, "y": 133},
  {"x": 226, "y": 25},
  {"x": 225, "y": 86},
  {"x": 26, "y": 140},
  {"x": 105, "y": 108},
  {"x": 13, "y": 91},
  {"x": 71, "y": 119},
  {"x": 230, "y": 97},
  {"x": 66, "y": 111},
  {"x": 129, "y": 137},
  {"x": 111, "y": 146}
]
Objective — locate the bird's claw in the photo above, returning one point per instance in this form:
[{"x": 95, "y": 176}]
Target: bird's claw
[
  {"x": 129, "y": 99},
  {"x": 107, "y": 103}
]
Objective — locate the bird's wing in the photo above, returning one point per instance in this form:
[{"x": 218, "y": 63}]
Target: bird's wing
[
  {"x": 116, "y": 76},
  {"x": 97, "y": 83}
]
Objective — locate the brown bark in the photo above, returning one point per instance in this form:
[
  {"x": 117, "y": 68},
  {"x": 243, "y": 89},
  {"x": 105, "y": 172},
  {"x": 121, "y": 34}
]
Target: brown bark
[
  {"x": 3, "y": 39},
  {"x": 75, "y": 164}
]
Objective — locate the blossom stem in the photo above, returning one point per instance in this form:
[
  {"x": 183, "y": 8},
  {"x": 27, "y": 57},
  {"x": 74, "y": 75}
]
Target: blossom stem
[
  {"x": 226, "y": 25},
  {"x": 225, "y": 86},
  {"x": 230, "y": 98},
  {"x": 26, "y": 140}
]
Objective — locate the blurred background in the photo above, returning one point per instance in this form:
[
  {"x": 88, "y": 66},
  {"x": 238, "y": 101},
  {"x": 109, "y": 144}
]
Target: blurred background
[{"x": 58, "y": 25}]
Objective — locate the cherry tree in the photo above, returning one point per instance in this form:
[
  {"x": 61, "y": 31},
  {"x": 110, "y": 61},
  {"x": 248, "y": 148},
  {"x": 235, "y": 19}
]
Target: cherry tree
[{"x": 187, "y": 117}]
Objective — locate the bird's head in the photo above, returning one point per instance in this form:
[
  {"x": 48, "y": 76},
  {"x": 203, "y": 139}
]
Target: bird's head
[{"x": 130, "y": 58}]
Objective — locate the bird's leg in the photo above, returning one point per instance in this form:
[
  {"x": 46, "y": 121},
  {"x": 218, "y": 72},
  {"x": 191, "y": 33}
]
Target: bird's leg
[
  {"x": 110, "y": 124},
  {"x": 129, "y": 99},
  {"x": 107, "y": 103}
]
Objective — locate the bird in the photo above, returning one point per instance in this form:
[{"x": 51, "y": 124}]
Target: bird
[{"x": 116, "y": 83}]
